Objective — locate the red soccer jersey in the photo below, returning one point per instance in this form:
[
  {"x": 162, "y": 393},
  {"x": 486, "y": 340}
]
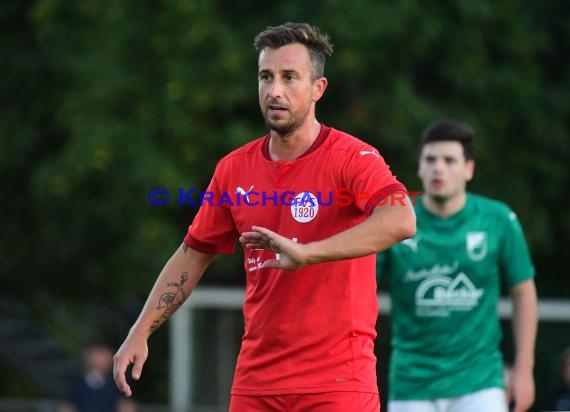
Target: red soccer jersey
[{"x": 310, "y": 330}]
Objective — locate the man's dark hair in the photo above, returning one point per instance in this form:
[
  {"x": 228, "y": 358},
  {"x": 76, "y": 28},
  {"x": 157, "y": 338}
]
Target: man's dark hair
[
  {"x": 289, "y": 33},
  {"x": 444, "y": 130}
]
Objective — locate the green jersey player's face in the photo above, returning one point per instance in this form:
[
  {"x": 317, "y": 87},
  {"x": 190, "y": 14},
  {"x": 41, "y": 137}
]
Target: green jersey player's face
[{"x": 444, "y": 171}]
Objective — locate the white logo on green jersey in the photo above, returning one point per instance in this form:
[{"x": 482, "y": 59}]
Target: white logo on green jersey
[
  {"x": 441, "y": 295},
  {"x": 476, "y": 244},
  {"x": 412, "y": 243},
  {"x": 435, "y": 270}
]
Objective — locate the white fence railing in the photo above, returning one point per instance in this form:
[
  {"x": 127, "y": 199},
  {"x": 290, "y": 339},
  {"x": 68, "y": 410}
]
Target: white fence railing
[{"x": 181, "y": 362}]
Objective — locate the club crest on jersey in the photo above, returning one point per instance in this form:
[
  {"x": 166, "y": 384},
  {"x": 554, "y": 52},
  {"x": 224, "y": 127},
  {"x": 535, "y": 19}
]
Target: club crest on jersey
[
  {"x": 304, "y": 207},
  {"x": 476, "y": 245}
]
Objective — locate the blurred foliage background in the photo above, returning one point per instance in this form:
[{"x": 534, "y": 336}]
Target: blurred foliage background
[{"x": 101, "y": 101}]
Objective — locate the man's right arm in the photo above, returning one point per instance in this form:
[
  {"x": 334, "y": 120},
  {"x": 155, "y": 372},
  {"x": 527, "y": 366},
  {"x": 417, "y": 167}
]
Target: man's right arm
[{"x": 174, "y": 284}]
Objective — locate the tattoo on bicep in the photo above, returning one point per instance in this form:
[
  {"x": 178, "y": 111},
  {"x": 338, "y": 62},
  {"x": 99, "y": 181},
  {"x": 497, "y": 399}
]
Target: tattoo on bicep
[
  {"x": 169, "y": 302},
  {"x": 185, "y": 247}
]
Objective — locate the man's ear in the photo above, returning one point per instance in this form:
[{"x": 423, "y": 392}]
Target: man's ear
[
  {"x": 469, "y": 170},
  {"x": 319, "y": 87}
]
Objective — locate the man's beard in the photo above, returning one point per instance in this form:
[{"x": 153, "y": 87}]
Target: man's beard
[{"x": 287, "y": 129}]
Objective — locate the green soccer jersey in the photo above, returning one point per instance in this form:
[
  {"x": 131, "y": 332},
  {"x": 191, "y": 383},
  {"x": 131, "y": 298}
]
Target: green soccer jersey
[{"x": 445, "y": 285}]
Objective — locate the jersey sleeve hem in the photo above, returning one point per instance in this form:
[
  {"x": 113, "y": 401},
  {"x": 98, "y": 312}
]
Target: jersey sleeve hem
[
  {"x": 529, "y": 276},
  {"x": 202, "y": 247},
  {"x": 378, "y": 197}
]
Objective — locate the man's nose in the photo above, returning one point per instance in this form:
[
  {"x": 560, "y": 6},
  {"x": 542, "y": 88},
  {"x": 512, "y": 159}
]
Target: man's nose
[
  {"x": 276, "y": 89},
  {"x": 438, "y": 165}
]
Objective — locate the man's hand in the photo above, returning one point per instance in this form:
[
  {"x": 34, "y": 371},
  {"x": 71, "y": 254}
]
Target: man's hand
[
  {"x": 134, "y": 350},
  {"x": 520, "y": 390},
  {"x": 290, "y": 255}
]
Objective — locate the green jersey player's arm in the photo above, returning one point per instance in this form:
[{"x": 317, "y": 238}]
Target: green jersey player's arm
[
  {"x": 518, "y": 270},
  {"x": 520, "y": 387}
]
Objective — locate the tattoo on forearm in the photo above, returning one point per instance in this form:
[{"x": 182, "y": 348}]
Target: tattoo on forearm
[
  {"x": 154, "y": 326},
  {"x": 169, "y": 302}
]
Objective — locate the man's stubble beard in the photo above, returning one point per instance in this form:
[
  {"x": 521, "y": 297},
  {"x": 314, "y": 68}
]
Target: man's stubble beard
[{"x": 288, "y": 129}]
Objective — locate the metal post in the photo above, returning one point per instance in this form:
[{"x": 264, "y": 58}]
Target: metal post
[
  {"x": 180, "y": 360},
  {"x": 226, "y": 357}
]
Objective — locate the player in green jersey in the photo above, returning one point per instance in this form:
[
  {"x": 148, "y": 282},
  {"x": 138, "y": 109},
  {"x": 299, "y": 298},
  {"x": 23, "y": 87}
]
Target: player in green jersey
[{"x": 445, "y": 286}]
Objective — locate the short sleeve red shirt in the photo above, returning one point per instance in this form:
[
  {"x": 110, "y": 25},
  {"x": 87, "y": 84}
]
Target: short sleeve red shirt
[{"x": 310, "y": 330}]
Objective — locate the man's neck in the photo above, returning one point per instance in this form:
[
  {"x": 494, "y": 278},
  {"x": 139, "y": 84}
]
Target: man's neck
[
  {"x": 444, "y": 207},
  {"x": 292, "y": 146}
]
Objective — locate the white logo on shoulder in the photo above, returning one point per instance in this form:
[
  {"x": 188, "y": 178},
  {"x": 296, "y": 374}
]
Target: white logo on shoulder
[
  {"x": 372, "y": 152},
  {"x": 241, "y": 191},
  {"x": 476, "y": 245},
  {"x": 304, "y": 207}
]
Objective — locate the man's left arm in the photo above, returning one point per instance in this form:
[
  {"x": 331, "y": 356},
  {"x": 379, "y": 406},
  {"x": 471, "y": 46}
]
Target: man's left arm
[
  {"x": 520, "y": 389},
  {"x": 388, "y": 224}
]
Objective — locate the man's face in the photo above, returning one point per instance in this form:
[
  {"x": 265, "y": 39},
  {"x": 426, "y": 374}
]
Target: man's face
[
  {"x": 287, "y": 93},
  {"x": 99, "y": 359},
  {"x": 443, "y": 170}
]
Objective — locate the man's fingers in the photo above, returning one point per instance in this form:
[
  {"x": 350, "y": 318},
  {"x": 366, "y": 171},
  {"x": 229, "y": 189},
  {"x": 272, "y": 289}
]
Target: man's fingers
[
  {"x": 252, "y": 243},
  {"x": 252, "y": 240},
  {"x": 138, "y": 366},
  {"x": 120, "y": 379},
  {"x": 517, "y": 407},
  {"x": 271, "y": 264},
  {"x": 250, "y": 236},
  {"x": 263, "y": 231},
  {"x": 522, "y": 404}
]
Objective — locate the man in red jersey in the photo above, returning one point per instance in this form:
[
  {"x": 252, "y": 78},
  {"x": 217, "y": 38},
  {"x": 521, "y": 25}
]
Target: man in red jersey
[{"x": 310, "y": 306}]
